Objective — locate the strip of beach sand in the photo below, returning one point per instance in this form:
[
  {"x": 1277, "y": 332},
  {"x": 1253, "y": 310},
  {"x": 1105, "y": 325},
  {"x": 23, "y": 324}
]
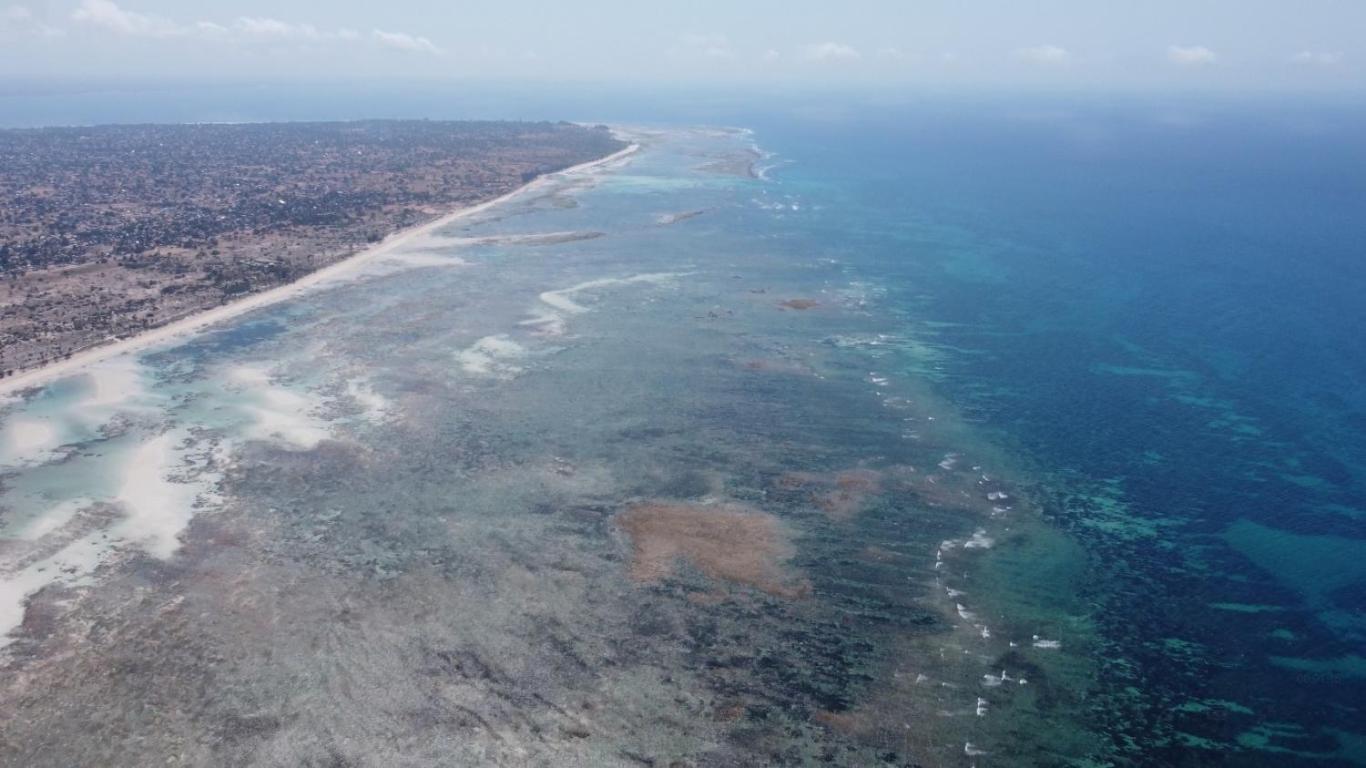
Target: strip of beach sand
[{"x": 198, "y": 322}]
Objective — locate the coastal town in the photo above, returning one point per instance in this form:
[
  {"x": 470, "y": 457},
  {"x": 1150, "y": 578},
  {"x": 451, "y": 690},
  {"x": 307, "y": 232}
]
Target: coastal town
[{"x": 109, "y": 231}]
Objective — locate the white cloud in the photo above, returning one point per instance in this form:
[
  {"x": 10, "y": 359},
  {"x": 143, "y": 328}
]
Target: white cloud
[
  {"x": 267, "y": 29},
  {"x": 772, "y": 55},
  {"x": 210, "y": 29},
  {"x": 1319, "y": 58},
  {"x": 695, "y": 40},
  {"x": 108, "y": 15},
  {"x": 20, "y": 20},
  {"x": 1191, "y": 56},
  {"x": 405, "y": 42},
  {"x": 890, "y": 53},
  {"x": 711, "y": 46},
  {"x": 1045, "y": 54},
  {"x": 262, "y": 28},
  {"x": 832, "y": 52}
]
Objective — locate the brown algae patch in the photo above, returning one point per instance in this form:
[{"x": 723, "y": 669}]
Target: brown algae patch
[
  {"x": 726, "y": 542},
  {"x": 851, "y": 494},
  {"x": 842, "y": 496}
]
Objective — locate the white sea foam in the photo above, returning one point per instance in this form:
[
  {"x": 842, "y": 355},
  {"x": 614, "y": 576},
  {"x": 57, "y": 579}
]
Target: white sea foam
[
  {"x": 163, "y": 480},
  {"x": 545, "y": 323},
  {"x": 762, "y": 171},
  {"x": 70, "y": 565},
  {"x": 561, "y": 299},
  {"x": 50, "y": 521},
  {"x": 113, "y": 383},
  {"x": 559, "y": 304},
  {"x": 161, "y": 487},
  {"x": 53, "y": 546},
  {"x": 1047, "y": 644},
  {"x": 159, "y": 479},
  {"x": 979, "y": 540},
  {"x": 667, "y": 219},
  {"x": 27, "y": 440},
  {"x": 278, "y": 414},
  {"x": 107, "y": 389},
  {"x": 375, "y": 407},
  {"x": 444, "y": 243},
  {"x": 402, "y": 261},
  {"x": 492, "y": 356},
  {"x": 158, "y": 504}
]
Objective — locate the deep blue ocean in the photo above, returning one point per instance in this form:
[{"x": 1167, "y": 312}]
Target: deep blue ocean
[
  {"x": 1161, "y": 307},
  {"x": 1155, "y": 306}
]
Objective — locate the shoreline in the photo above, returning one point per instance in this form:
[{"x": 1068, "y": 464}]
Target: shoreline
[{"x": 199, "y": 321}]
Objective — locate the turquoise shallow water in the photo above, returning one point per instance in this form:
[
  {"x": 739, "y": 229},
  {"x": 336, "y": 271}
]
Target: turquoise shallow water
[{"x": 957, "y": 440}]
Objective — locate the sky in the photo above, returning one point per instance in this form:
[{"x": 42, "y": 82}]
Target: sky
[{"x": 1059, "y": 44}]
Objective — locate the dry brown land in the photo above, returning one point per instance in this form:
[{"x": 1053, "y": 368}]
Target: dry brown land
[{"x": 111, "y": 230}]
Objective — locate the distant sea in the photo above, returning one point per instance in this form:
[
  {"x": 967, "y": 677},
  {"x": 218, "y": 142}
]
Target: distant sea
[
  {"x": 1098, "y": 367},
  {"x": 1160, "y": 308}
]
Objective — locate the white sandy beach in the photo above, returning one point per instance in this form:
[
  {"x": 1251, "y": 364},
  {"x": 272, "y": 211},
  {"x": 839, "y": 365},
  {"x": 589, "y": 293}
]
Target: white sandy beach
[{"x": 196, "y": 323}]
